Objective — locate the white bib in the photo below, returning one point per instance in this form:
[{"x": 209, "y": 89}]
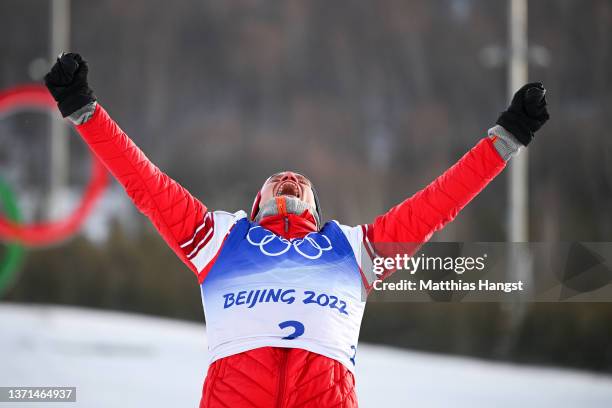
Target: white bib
[{"x": 264, "y": 290}]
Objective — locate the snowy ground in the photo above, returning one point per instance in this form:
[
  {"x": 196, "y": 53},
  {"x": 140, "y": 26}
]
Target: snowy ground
[{"x": 123, "y": 360}]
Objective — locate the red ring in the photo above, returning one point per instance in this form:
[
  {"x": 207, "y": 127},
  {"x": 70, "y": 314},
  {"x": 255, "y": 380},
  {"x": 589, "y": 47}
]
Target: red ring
[{"x": 44, "y": 233}]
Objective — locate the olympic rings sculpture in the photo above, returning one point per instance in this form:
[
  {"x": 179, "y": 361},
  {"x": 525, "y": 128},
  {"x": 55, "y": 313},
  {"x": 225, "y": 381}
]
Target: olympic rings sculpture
[
  {"x": 270, "y": 244},
  {"x": 36, "y": 97},
  {"x": 14, "y": 252}
]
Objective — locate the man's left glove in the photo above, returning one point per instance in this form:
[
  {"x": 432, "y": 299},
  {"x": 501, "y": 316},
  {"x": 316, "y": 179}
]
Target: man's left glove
[
  {"x": 67, "y": 82},
  {"x": 527, "y": 112}
]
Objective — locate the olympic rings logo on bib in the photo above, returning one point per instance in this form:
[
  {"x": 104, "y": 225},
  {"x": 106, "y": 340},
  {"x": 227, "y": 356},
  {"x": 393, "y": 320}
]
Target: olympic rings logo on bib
[{"x": 311, "y": 246}]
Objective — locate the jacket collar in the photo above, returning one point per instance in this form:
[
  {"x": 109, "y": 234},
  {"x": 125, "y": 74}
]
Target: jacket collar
[{"x": 290, "y": 226}]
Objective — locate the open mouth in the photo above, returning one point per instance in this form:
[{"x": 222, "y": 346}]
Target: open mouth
[{"x": 288, "y": 188}]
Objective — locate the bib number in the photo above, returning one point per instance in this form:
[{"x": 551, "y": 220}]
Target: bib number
[
  {"x": 298, "y": 329},
  {"x": 354, "y": 349}
]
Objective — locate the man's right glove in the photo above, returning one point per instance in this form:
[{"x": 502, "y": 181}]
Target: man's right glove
[
  {"x": 67, "y": 82},
  {"x": 526, "y": 113}
]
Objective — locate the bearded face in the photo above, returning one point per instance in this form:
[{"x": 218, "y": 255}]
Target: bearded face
[
  {"x": 288, "y": 183},
  {"x": 297, "y": 196}
]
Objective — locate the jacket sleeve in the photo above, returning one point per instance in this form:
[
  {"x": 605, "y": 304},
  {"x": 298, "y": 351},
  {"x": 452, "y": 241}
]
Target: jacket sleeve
[
  {"x": 414, "y": 221},
  {"x": 180, "y": 218}
]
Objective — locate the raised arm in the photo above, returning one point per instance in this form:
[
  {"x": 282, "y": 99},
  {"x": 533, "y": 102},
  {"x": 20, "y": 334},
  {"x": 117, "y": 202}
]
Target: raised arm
[
  {"x": 180, "y": 218},
  {"x": 416, "y": 219},
  {"x": 174, "y": 212}
]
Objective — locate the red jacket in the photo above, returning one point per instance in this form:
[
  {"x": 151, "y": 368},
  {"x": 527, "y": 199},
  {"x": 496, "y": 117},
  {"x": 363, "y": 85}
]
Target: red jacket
[{"x": 273, "y": 376}]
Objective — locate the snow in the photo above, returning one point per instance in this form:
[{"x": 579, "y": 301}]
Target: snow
[{"x": 125, "y": 360}]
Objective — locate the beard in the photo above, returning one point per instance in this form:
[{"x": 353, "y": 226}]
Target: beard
[{"x": 293, "y": 206}]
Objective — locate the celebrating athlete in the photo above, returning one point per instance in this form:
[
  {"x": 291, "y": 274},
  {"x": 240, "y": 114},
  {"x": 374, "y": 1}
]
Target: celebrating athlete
[{"x": 282, "y": 289}]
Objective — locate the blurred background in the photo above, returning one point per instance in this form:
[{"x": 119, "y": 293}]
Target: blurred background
[{"x": 371, "y": 99}]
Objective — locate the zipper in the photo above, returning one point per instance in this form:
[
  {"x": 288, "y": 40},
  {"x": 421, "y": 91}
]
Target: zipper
[
  {"x": 280, "y": 391},
  {"x": 286, "y": 225}
]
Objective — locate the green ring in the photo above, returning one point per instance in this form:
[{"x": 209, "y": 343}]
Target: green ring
[{"x": 14, "y": 251}]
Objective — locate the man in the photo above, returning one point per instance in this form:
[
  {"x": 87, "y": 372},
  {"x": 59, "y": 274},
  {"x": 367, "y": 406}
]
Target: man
[{"x": 282, "y": 291}]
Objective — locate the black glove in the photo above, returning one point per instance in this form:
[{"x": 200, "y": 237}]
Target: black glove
[
  {"x": 526, "y": 113},
  {"x": 67, "y": 82}
]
